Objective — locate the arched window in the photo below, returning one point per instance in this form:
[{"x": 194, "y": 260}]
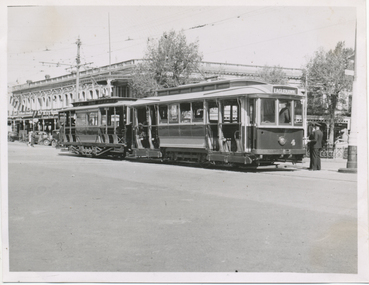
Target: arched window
[
  {"x": 91, "y": 95},
  {"x": 97, "y": 93}
]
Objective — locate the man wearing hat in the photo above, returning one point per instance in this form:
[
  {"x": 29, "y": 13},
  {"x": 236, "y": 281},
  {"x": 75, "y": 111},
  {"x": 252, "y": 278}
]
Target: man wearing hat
[{"x": 316, "y": 144}]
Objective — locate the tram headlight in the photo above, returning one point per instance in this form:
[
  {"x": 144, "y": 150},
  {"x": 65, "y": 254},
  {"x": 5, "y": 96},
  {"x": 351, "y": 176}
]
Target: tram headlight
[{"x": 282, "y": 140}]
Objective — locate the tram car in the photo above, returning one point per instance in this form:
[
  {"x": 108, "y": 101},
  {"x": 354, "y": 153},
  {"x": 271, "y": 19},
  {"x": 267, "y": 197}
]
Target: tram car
[
  {"x": 100, "y": 127},
  {"x": 236, "y": 122}
]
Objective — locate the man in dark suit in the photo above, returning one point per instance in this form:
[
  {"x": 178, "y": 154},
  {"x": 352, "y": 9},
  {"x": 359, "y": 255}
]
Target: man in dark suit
[
  {"x": 284, "y": 114},
  {"x": 316, "y": 144}
]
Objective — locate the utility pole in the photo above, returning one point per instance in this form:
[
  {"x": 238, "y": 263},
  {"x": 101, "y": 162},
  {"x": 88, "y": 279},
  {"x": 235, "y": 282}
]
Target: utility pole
[
  {"x": 77, "y": 66},
  {"x": 78, "y": 60},
  {"x": 109, "y": 44},
  {"x": 108, "y": 81}
]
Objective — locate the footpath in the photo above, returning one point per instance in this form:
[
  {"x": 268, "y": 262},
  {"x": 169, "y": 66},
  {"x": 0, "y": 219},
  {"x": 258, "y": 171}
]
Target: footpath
[{"x": 327, "y": 163}]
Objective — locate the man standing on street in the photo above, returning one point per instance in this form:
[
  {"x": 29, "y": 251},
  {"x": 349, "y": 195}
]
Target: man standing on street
[
  {"x": 316, "y": 144},
  {"x": 30, "y": 139}
]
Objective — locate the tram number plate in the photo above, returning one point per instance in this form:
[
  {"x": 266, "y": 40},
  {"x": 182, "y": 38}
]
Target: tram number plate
[{"x": 286, "y": 151}]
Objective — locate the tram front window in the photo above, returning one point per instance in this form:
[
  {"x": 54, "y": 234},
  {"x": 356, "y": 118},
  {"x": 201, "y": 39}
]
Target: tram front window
[
  {"x": 267, "y": 111},
  {"x": 284, "y": 111}
]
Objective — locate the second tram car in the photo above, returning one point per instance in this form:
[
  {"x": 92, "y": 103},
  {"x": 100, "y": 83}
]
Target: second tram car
[
  {"x": 98, "y": 127},
  {"x": 230, "y": 121}
]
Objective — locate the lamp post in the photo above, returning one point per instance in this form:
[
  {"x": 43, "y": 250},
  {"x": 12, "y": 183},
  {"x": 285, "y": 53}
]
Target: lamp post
[{"x": 351, "y": 166}]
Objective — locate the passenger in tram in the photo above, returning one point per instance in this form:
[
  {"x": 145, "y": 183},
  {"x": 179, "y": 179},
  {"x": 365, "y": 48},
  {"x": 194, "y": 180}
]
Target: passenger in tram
[
  {"x": 142, "y": 134},
  {"x": 284, "y": 114}
]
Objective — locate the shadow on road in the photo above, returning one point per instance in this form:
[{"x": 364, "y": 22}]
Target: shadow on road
[{"x": 210, "y": 166}]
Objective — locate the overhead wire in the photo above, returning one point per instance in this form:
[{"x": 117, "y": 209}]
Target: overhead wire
[{"x": 160, "y": 21}]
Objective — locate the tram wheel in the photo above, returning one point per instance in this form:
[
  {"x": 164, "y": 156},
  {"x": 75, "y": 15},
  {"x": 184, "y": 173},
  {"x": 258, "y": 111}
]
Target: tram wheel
[{"x": 121, "y": 156}]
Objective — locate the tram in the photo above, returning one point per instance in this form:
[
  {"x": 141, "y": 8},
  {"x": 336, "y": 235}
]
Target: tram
[
  {"x": 236, "y": 122},
  {"x": 99, "y": 127}
]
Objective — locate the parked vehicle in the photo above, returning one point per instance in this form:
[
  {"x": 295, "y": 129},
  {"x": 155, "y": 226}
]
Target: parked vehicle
[
  {"x": 12, "y": 136},
  {"x": 41, "y": 137}
]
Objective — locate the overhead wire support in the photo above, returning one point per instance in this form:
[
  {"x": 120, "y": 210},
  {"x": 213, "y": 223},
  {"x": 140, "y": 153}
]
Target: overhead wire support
[{"x": 77, "y": 66}]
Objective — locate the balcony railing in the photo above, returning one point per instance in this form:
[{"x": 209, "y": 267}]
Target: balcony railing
[{"x": 90, "y": 72}]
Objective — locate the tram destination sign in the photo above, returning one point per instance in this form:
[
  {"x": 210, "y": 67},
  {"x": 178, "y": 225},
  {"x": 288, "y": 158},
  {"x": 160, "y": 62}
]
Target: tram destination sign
[{"x": 285, "y": 90}]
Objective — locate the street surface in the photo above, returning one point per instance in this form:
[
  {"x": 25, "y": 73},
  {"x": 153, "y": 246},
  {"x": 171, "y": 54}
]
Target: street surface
[{"x": 69, "y": 213}]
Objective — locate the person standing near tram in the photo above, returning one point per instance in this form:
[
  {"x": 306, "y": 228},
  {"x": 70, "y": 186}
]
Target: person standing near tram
[{"x": 315, "y": 146}]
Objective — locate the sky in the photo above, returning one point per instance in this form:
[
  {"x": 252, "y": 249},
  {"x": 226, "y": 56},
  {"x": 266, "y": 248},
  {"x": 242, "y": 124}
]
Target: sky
[{"x": 40, "y": 37}]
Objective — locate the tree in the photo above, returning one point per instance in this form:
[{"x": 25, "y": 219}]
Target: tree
[
  {"x": 168, "y": 62},
  {"x": 327, "y": 84},
  {"x": 273, "y": 75}
]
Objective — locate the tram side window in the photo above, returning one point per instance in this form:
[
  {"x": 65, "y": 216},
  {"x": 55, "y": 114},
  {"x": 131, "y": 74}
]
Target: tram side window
[
  {"x": 115, "y": 118},
  {"x": 284, "y": 111},
  {"x": 73, "y": 119},
  {"x": 185, "y": 112},
  {"x": 92, "y": 119},
  {"x": 173, "y": 113},
  {"x": 251, "y": 112},
  {"x": 267, "y": 111},
  {"x": 213, "y": 112},
  {"x": 81, "y": 119},
  {"x": 298, "y": 113},
  {"x": 230, "y": 112},
  {"x": 106, "y": 118},
  {"x": 163, "y": 114},
  {"x": 197, "y": 112}
]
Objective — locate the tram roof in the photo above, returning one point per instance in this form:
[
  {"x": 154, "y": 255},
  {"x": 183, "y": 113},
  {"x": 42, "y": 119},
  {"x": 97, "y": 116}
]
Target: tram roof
[
  {"x": 222, "y": 93},
  {"x": 102, "y": 105}
]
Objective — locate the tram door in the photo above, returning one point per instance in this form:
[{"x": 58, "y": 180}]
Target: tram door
[
  {"x": 230, "y": 110},
  {"x": 213, "y": 126},
  {"x": 151, "y": 115},
  {"x": 250, "y": 126},
  {"x": 141, "y": 131}
]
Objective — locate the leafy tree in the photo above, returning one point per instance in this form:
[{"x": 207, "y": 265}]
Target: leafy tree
[
  {"x": 168, "y": 62},
  {"x": 273, "y": 75},
  {"x": 326, "y": 82}
]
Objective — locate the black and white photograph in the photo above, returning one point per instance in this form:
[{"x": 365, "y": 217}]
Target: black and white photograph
[{"x": 184, "y": 141}]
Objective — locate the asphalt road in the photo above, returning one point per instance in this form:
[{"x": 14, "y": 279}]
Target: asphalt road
[{"x": 69, "y": 213}]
